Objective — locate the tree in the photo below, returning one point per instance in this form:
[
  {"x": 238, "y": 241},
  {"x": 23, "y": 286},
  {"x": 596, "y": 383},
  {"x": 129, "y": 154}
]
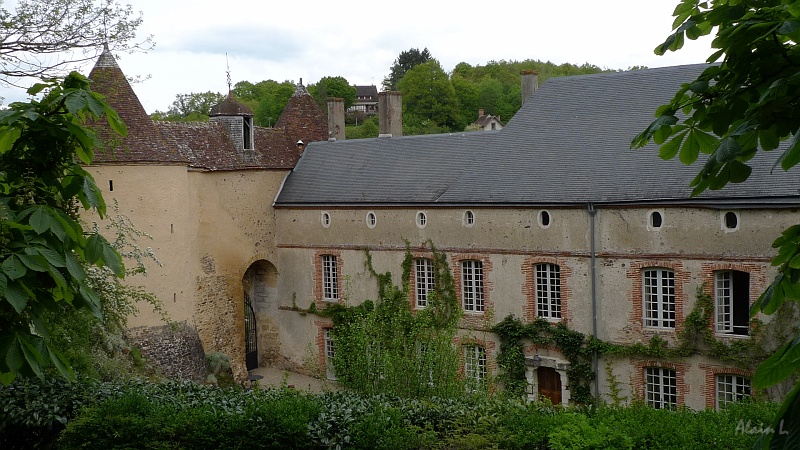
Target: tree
[
  {"x": 428, "y": 94},
  {"x": 329, "y": 87},
  {"x": 266, "y": 98},
  {"x": 192, "y": 107},
  {"x": 746, "y": 103},
  {"x": 34, "y": 39},
  {"x": 45, "y": 250},
  {"x": 406, "y": 61}
]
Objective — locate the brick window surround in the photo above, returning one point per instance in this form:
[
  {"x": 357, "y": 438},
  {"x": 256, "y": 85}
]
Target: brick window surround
[
  {"x": 758, "y": 280},
  {"x": 710, "y": 385},
  {"x": 322, "y": 327},
  {"x": 529, "y": 288},
  {"x": 635, "y": 273},
  {"x": 639, "y": 381},
  {"x": 318, "y": 277},
  {"x": 488, "y": 346},
  {"x": 473, "y": 319},
  {"x": 412, "y": 281}
]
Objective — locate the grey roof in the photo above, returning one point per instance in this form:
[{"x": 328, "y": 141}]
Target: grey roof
[{"x": 568, "y": 145}]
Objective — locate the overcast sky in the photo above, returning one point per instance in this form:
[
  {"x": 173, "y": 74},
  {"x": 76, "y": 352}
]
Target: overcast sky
[{"x": 359, "y": 40}]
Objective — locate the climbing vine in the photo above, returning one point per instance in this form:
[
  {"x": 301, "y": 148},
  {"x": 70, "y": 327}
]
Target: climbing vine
[
  {"x": 386, "y": 347},
  {"x": 696, "y": 337}
]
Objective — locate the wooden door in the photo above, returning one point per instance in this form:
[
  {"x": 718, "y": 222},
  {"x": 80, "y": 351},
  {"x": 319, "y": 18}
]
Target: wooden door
[{"x": 549, "y": 384}]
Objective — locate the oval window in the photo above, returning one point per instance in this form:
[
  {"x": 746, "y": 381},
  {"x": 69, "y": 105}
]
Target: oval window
[
  {"x": 325, "y": 218},
  {"x": 656, "y": 219},
  {"x": 469, "y": 218},
  {"x": 544, "y": 218},
  {"x": 422, "y": 219},
  {"x": 372, "y": 220},
  {"x": 731, "y": 220}
]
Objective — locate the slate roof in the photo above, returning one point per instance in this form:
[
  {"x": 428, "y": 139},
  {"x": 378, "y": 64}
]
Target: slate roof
[
  {"x": 367, "y": 91},
  {"x": 568, "y": 145}
]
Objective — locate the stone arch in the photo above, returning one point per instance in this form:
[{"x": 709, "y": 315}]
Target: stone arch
[{"x": 260, "y": 287}]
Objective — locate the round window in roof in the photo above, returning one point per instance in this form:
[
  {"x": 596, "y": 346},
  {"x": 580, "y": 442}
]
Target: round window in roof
[
  {"x": 469, "y": 218},
  {"x": 325, "y": 218},
  {"x": 655, "y": 220},
  {"x": 544, "y": 219},
  {"x": 730, "y": 221},
  {"x": 372, "y": 219},
  {"x": 422, "y": 219}
]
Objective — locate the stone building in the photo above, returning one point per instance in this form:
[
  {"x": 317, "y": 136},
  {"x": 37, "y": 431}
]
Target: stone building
[{"x": 552, "y": 217}]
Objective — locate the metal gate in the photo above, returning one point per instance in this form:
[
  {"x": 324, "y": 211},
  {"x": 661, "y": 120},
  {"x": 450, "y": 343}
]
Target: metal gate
[{"x": 250, "y": 336}]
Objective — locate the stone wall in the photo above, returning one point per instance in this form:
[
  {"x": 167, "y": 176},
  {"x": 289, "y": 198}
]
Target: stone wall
[{"x": 175, "y": 352}]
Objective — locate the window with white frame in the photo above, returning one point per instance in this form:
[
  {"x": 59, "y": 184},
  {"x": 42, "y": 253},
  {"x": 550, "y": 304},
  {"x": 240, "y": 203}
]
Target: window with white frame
[
  {"x": 423, "y": 271},
  {"x": 329, "y": 354},
  {"x": 548, "y": 291},
  {"x": 731, "y": 388},
  {"x": 732, "y": 302},
  {"x": 661, "y": 387},
  {"x": 330, "y": 279},
  {"x": 475, "y": 362},
  {"x": 472, "y": 285},
  {"x": 658, "y": 295}
]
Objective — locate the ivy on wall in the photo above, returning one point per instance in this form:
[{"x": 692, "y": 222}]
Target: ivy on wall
[
  {"x": 696, "y": 338},
  {"x": 386, "y": 347}
]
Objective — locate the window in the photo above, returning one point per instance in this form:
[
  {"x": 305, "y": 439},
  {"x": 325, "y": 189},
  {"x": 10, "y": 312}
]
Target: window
[
  {"x": 469, "y": 218},
  {"x": 548, "y": 291},
  {"x": 661, "y": 387},
  {"x": 731, "y": 388},
  {"x": 656, "y": 220},
  {"x": 422, "y": 219},
  {"x": 329, "y": 354},
  {"x": 247, "y": 132},
  {"x": 475, "y": 363},
  {"x": 730, "y": 221},
  {"x": 423, "y": 270},
  {"x": 372, "y": 220},
  {"x": 330, "y": 279},
  {"x": 732, "y": 302},
  {"x": 111, "y": 185},
  {"x": 544, "y": 219},
  {"x": 659, "y": 298},
  {"x": 472, "y": 285},
  {"x": 325, "y": 218}
]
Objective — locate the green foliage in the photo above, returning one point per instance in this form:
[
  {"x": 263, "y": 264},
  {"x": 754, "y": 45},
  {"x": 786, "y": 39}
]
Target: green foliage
[
  {"x": 367, "y": 129},
  {"x": 744, "y": 104},
  {"x": 192, "y": 107},
  {"x": 266, "y": 98},
  {"x": 45, "y": 250},
  {"x": 385, "y": 347},
  {"x": 405, "y": 61},
  {"x": 428, "y": 94},
  {"x": 329, "y": 87}
]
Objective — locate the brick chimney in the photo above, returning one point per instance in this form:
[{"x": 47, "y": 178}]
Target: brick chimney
[
  {"x": 530, "y": 83},
  {"x": 336, "y": 119},
  {"x": 390, "y": 114},
  {"x": 480, "y": 113}
]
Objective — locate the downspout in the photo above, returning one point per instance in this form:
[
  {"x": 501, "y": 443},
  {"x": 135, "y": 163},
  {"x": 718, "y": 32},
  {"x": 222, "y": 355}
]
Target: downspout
[{"x": 595, "y": 358}]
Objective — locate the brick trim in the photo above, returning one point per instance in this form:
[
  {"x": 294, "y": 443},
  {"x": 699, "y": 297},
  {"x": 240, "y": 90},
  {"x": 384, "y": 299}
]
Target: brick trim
[
  {"x": 639, "y": 382},
  {"x": 636, "y": 317},
  {"x": 489, "y": 346},
  {"x": 710, "y": 386},
  {"x": 529, "y": 287},
  {"x": 318, "y": 288},
  {"x": 322, "y": 326},
  {"x": 412, "y": 278},
  {"x": 758, "y": 282},
  {"x": 471, "y": 319}
]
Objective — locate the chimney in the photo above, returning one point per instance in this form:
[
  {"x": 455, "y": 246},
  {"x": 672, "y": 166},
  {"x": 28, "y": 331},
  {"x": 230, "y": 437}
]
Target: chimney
[
  {"x": 530, "y": 83},
  {"x": 390, "y": 114},
  {"x": 480, "y": 113},
  {"x": 336, "y": 119}
]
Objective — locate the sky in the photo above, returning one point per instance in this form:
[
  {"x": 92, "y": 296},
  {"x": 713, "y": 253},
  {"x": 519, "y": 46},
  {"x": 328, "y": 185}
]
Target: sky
[{"x": 198, "y": 41}]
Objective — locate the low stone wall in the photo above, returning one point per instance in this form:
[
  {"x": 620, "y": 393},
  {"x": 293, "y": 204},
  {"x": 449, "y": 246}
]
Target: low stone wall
[{"x": 174, "y": 351}]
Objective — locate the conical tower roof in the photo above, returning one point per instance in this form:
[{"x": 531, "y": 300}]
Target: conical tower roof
[
  {"x": 230, "y": 107},
  {"x": 302, "y": 118},
  {"x": 143, "y": 142}
]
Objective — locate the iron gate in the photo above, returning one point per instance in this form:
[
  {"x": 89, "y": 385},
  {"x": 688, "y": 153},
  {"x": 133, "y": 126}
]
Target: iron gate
[{"x": 250, "y": 336}]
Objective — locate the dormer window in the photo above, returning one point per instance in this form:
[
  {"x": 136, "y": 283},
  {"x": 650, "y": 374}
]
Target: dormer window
[{"x": 247, "y": 132}]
